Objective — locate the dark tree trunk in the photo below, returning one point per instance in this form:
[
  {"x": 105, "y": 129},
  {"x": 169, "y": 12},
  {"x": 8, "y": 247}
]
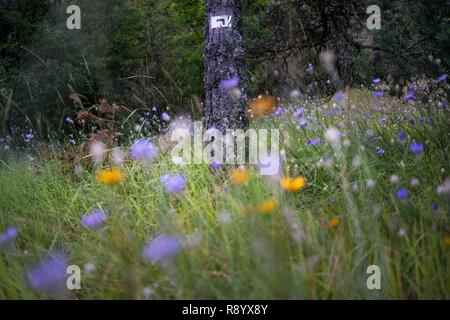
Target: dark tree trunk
[{"x": 224, "y": 59}]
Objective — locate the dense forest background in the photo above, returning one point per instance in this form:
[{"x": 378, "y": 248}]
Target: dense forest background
[{"x": 147, "y": 54}]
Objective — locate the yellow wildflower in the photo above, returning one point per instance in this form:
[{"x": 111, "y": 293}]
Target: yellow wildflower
[
  {"x": 267, "y": 206},
  {"x": 334, "y": 222},
  {"x": 240, "y": 176},
  {"x": 447, "y": 241},
  {"x": 110, "y": 176},
  {"x": 293, "y": 184}
]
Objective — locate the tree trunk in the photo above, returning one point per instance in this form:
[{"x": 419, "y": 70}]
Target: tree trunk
[{"x": 224, "y": 59}]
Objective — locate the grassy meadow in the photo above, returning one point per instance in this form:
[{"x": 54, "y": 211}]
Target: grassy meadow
[{"x": 375, "y": 194}]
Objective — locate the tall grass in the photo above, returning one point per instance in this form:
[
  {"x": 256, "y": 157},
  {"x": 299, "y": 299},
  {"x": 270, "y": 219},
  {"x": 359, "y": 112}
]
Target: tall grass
[{"x": 292, "y": 253}]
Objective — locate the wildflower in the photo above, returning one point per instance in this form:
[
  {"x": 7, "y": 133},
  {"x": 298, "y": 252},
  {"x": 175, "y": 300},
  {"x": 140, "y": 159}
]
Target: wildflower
[
  {"x": 380, "y": 150},
  {"x": 370, "y": 183},
  {"x": 394, "y": 179},
  {"x": 148, "y": 293},
  {"x": 94, "y": 220},
  {"x": 267, "y": 206},
  {"x": 401, "y": 136},
  {"x": 278, "y": 112},
  {"x": 299, "y": 112},
  {"x": 444, "y": 189},
  {"x": 442, "y": 77},
  {"x": 336, "y": 221},
  {"x": 293, "y": 184},
  {"x": 447, "y": 241},
  {"x": 383, "y": 120},
  {"x": 313, "y": 142},
  {"x": 229, "y": 83},
  {"x": 303, "y": 123},
  {"x": 415, "y": 182},
  {"x": 89, "y": 268},
  {"x": 416, "y": 148},
  {"x": 174, "y": 183},
  {"x": 69, "y": 120},
  {"x": 224, "y": 218},
  {"x": 161, "y": 248},
  {"x": 78, "y": 170},
  {"x": 49, "y": 276},
  {"x": 409, "y": 96},
  {"x": 97, "y": 151},
  {"x": 339, "y": 96},
  {"x": 402, "y": 232},
  {"x": 143, "y": 150},
  {"x": 378, "y": 93},
  {"x": 117, "y": 156},
  {"x": 376, "y": 80},
  {"x": 215, "y": 165},
  {"x": 263, "y": 105},
  {"x": 8, "y": 236},
  {"x": 402, "y": 193},
  {"x": 309, "y": 69},
  {"x": 240, "y": 176},
  {"x": 110, "y": 176},
  {"x": 165, "y": 117},
  {"x": 333, "y": 135}
]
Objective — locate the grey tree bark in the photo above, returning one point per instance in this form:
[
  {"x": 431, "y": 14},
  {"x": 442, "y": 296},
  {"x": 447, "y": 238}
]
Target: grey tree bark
[{"x": 224, "y": 59}]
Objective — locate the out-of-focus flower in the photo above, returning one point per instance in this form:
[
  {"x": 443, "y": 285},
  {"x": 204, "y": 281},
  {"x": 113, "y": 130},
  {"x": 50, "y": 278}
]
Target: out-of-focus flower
[
  {"x": 69, "y": 120},
  {"x": 299, "y": 112},
  {"x": 339, "y": 96},
  {"x": 370, "y": 183},
  {"x": 415, "y": 182},
  {"x": 309, "y": 69},
  {"x": 173, "y": 183},
  {"x": 313, "y": 142},
  {"x": 49, "y": 276},
  {"x": 161, "y": 248},
  {"x": 442, "y": 77},
  {"x": 89, "y": 268},
  {"x": 110, "y": 176},
  {"x": 78, "y": 170},
  {"x": 333, "y": 135},
  {"x": 444, "y": 189},
  {"x": 97, "y": 150},
  {"x": 94, "y": 220},
  {"x": 402, "y": 193},
  {"x": 143, "y": 150},
  {"x": 262, "y": 105},
  {"x": 148, "y": 293},
  {"x": 165, "y": 117},
  {"x": 267, "y": 206},
  {"x": 335, "y": 222},
  {"x": 293, "y": 184},
  {"x": 409, "y": 96},
  {"x": 216, "y": 165},
  {"x": 303, "y": 122},
  {"x": 8, "y": 236},
  {"x": 416, "y": 148},
  {"x": 376, "y": 80},
  {"x": 228, "y": 84},
  {"x": 378, "y": 93},
  {"x": 117, "y": 155},
  {"x": 380, "y": 150},
  {"x": 278, "y": 112},
  {"x": 224, "y": 218},
  {"x": 447, "y": 241},
  {"x": 240, "y": 176},
  {"x": 401, "y": 136},
  {"x": 394, "y": 179}
]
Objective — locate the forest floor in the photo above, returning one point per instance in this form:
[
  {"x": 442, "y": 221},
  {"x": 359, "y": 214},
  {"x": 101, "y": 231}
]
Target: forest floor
[{"x": 378, "y": 194}]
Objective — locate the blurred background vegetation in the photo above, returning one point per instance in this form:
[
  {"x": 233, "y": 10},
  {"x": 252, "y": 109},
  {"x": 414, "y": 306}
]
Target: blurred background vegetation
[{"x": 147, "y": 54}]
